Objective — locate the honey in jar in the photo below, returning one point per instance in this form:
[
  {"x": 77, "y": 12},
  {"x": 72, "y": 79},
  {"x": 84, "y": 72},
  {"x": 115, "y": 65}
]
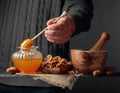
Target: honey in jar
[{"x": 27, "y": 61}]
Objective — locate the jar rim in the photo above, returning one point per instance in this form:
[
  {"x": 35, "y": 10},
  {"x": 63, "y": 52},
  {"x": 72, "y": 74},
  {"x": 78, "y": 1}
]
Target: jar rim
[{"x": 33, "y": 47}]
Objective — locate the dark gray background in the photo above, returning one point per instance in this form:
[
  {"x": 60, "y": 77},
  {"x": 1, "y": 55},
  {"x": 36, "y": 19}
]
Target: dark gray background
[{"x": 106, "y": 19}]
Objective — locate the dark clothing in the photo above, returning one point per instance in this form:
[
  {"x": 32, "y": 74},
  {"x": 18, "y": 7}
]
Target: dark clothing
[{"x": 21, "y": 19}]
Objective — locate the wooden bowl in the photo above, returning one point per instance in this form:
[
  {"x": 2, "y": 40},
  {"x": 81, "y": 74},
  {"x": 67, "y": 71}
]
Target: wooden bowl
[
  {"x": 87, "y": 61},
  {"x": 56, "y": 70}
]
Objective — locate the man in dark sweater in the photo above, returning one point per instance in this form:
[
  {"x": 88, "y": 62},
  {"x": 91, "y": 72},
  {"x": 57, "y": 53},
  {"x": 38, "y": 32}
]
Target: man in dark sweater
[{"x": 21, "y": 19}]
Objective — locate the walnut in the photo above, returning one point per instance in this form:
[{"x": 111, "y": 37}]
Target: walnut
[
  {"x": 110, "y": 70},
  {"x": 97, "y": 72},
  {"x": 12, "y": 70}
]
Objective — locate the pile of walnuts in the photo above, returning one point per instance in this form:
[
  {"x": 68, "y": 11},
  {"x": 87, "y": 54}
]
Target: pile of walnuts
[
  {"x": 56, "y": 65},
  {"x": 56, "y": 61}
]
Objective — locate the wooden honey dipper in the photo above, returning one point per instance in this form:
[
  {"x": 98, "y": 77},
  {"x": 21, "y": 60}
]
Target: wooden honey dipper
[
  {"x": 27, "y": 43},
  {"x": 102, "y": 40}
]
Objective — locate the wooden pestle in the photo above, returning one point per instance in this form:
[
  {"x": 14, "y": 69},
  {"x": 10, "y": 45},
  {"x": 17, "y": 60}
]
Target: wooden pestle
[{"x": 102, "y": 40}]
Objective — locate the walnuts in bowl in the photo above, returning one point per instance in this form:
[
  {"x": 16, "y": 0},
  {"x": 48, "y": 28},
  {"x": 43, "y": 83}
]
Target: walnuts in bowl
[{"x": 56, "y": 65}]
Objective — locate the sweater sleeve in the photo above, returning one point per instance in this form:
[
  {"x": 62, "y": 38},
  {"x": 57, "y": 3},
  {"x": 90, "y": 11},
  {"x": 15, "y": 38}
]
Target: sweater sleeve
[{"x": 81, "y": 11}]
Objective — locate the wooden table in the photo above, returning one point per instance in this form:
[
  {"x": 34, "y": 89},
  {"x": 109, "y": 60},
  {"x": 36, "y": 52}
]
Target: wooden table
[{"x": 84, "y": 84}]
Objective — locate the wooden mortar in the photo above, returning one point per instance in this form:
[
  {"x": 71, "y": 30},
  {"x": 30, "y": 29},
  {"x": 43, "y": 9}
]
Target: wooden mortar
[{"x": 87, "y": 61}]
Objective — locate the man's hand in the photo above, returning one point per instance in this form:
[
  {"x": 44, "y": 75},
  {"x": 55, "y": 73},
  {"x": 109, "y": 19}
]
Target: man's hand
[{"x": 60, "y": 32}]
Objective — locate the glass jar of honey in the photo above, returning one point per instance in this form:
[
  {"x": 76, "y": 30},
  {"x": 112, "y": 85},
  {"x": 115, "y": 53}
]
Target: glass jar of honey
[{"x": 27, "y": 61}]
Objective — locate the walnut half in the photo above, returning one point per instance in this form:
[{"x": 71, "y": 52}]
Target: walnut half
[{"x": 12, "y": 70}]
